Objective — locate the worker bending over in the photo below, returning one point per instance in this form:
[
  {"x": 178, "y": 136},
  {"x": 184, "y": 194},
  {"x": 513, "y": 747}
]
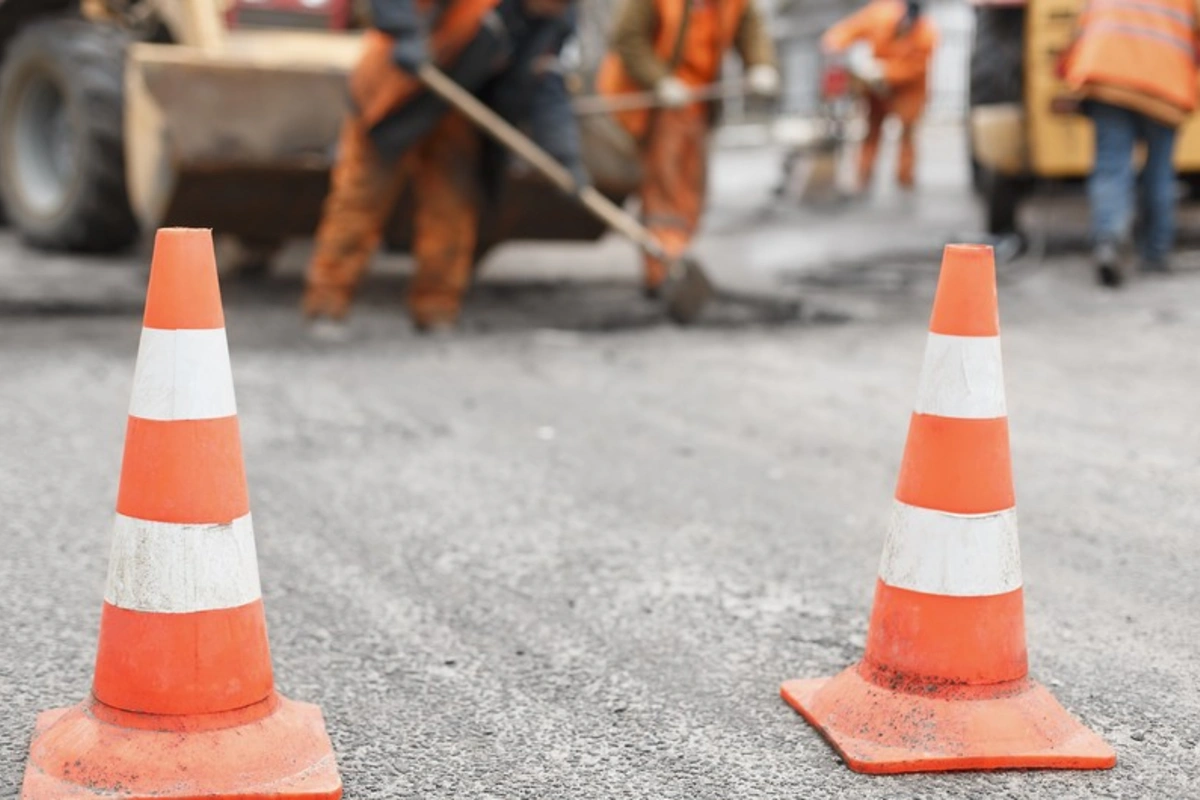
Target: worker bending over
[
  {"x": 1134, "y": 64},
  {"x": 398, "y": 134},
  {"x": 672, "y": 48},
  {"x": 901, "y": 41}
]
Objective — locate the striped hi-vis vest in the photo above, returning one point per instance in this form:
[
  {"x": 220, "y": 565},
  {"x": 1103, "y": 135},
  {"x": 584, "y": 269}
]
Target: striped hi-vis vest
[{"x": 1147, "y": 47}]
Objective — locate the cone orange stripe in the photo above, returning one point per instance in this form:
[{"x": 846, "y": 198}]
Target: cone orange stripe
[
  {"x": 939, "y": 638},
  {"x": 956, "y": 465},
  {"x": 183, "y": 291},
  {"x": 197, "y": 663},
  {"x": 185, "y": 471},
  {"x": 965, "y": 303}
]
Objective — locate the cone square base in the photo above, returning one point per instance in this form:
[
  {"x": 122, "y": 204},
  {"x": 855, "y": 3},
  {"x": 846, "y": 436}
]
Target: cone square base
[
  {"x": 285, "y": 755},
  {"x": 881, "y": 730}
]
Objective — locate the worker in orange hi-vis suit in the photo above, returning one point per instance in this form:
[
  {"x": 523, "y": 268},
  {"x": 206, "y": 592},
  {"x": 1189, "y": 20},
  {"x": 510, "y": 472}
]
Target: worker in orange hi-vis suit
[
  {"x": 398, "y": 134},
  {"x": 1134, "y": 67},
  {"x": 894, "y": 65},
  {"x": 673, "y": 47}
]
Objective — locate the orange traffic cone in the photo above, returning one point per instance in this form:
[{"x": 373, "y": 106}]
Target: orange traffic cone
[
  {"x": 943, "y": 683},
  {"x": 183, "y": 703}
]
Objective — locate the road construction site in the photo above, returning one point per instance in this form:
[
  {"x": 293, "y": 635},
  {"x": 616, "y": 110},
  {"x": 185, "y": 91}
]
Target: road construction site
[{"x": 572, "y": 551}]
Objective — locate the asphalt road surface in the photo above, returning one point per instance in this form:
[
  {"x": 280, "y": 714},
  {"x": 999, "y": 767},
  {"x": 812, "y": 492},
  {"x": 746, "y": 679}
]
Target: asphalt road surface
[{"x": 571, "y": 551}]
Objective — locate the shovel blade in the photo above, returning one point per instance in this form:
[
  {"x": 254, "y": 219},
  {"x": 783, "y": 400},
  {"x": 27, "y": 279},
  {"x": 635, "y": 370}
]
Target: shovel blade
[{"x": 687, "y": 291}]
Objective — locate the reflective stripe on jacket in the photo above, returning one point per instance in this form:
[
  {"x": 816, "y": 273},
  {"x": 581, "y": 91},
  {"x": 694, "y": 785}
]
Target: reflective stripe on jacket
[{"x": 1138, "y": 54}]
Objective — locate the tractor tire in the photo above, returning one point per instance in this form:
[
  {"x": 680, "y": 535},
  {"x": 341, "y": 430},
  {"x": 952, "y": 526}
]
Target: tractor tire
[
  {"x": 997, "y": 77},
  {"x": 62, "y": 156}
]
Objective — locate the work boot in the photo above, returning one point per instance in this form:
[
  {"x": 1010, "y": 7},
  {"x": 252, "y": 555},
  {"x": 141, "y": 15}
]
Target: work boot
[
  {"x": 1110, "y": 264},
  {"x": 322, "y": 300},
  {"x": 433, "y": 319},
  {"x": 654, "y": 275},
  {"x": 328, "y": 331}
]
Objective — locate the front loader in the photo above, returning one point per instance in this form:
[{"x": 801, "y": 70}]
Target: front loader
[{"x": 120, "y": 116}]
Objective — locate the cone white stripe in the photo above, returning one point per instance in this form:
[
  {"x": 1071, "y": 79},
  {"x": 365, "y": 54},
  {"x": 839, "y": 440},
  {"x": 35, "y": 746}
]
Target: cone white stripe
[
  {"x": 168, "y": 568},
  {"x": 963, "y": 555},
  {"x": 963, "y": 377},
  {"x": 183, "y": 374}
]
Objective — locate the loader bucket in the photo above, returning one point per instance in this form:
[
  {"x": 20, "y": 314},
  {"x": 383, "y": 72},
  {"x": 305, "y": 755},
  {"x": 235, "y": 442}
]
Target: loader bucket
[{"x": 241, "y": 138}]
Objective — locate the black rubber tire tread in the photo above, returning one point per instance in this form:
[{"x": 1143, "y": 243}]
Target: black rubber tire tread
[
  {"x": 88, "y": 60},
  {"x": 997, "y": 56}
]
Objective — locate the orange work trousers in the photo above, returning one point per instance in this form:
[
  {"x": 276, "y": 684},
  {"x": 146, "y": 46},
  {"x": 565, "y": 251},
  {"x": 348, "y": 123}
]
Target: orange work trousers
[
  {"x": 878, "y": 110},
  {"x": 443, "y": 169},
  {"x": 674, "y": 178}
]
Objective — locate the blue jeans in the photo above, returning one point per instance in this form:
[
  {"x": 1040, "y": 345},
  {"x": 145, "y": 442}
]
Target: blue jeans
[{"x": 1111, "y": 186}]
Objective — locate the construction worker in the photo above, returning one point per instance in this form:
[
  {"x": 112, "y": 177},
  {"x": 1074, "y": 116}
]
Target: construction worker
[
  {"x": 896, "y": 41},
  {"x": 1134, "y": 65},
  {"x": 505, "y": 51},
  {"x": 672, "y": 48}
]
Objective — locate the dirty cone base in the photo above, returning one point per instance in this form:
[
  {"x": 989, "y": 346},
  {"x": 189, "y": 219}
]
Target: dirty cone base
[
  {"x": 77, "y": 754},
  {"x": 880, "y": 730}
]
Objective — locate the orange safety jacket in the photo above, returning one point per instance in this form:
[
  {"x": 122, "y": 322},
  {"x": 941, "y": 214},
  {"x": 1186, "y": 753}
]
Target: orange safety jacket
[
  {"x": 903, "y": 58},
  {"x": 694, "y": 69},
  {"x": 1138, "y": 54},
  {"x": 378, "y": 86}
]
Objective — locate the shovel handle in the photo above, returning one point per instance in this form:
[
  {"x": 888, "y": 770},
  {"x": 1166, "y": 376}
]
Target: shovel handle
[
  {"x": 500, "y": 129},
  {"x": 640, "y": 101}
]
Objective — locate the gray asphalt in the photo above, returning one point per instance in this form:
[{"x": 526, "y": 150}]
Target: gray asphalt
[{"x": 571, "y": 552}]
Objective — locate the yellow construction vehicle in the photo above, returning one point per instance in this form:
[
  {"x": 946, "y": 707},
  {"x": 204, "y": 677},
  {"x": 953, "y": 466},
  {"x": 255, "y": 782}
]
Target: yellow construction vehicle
[
  {"x": 119, "y": 116},
  {"x": 1026, "y": 133}
]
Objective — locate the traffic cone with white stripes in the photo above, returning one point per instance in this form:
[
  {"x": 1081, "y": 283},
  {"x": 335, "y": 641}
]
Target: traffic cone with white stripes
[
  {"x": 943, "y": 684},
  {"x": 183, "y": 702}
]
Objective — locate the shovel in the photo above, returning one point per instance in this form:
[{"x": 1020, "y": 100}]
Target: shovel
[{"x": 687, "y": 289}]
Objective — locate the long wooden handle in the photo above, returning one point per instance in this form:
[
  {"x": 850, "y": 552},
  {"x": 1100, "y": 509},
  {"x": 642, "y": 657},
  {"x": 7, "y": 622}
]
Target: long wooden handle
[{"x": 499, "y": 128}]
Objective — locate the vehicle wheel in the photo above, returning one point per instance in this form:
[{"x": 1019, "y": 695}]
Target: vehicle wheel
[{"x": 61, "y": 124}]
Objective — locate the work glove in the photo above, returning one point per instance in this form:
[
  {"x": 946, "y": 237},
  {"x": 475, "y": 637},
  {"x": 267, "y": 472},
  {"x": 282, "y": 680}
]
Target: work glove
[
  {"x": 672, "y": 92},
  {"x": 763, "y": 80},
  {"x": 411, "y": 51},
  {"x": 864, "y": 66}
]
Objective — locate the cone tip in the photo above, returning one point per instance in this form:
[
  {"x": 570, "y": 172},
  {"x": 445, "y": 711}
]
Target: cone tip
[
  {"x": 183, "y": 291},
  {"x": 965, "y": 303},
  {"x": 183, "y": 230}
]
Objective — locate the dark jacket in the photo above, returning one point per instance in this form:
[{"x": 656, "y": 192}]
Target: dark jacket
[
  {"x": 531, "y": 92},
  {"x": 512, "y": 65}
]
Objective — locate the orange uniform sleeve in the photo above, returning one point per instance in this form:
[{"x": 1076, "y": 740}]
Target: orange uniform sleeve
[{"x": 915, "y": 63}]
